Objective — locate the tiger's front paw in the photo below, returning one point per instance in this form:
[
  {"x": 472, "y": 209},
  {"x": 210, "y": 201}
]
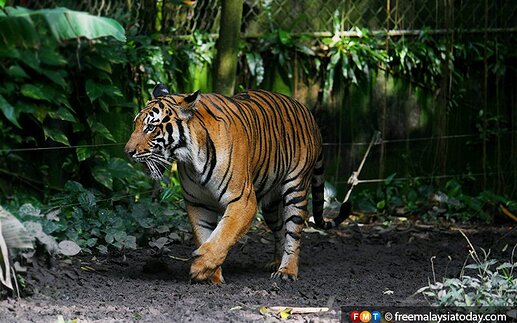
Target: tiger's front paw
[
  {"x": 273, "y": 265},
  {"x": 217, "y": 277},
  {"x": 285, "y": 274},
  {"x": 207, "y": 265}
]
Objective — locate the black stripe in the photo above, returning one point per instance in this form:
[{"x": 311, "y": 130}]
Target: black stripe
[
  {"x": 295, "y": 219},
  {"x": 295, "y": 200},
  {"x": 226, "y": 172},
  {"x": 300, "y": 207},
  {"x": 206, "y": 224},
  {"x": 212, "y": 159},
  {"x": 169, "y": 130},
  {"x": 292, "y": 189},
  {"x": 209, "y": 111},
  {"x": 235, "y": 199},
  {"x": 183, "y": 141},
  {"x": 293, "y": 235}
]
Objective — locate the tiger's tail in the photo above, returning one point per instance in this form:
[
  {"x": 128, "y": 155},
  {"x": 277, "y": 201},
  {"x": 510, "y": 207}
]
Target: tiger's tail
[{"x": 318, "y": 189}]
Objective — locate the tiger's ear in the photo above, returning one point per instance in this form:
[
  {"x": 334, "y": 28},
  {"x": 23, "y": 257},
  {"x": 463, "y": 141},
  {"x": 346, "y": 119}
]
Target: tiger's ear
[
  {"x": 160, "y": 90},
  {"x": 188, "y": 106}
]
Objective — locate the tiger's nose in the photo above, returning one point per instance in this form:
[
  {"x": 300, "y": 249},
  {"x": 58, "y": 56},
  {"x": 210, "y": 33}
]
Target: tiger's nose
[{"x": 130, "y": 151}]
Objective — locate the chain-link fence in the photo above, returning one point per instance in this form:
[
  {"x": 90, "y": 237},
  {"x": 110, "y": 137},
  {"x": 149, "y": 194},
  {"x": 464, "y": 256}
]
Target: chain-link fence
[
  {"x": 183, "y": 17},
  {"x": 314, "y": 16},
  {"x": 324, "y": 15}
]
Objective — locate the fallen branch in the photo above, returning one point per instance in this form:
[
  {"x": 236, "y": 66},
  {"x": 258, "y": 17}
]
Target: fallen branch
[{"x": 299, "y": 310}]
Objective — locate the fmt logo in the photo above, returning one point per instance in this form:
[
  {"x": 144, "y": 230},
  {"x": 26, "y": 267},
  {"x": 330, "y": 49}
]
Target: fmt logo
[{"x": 365, "y": 316}]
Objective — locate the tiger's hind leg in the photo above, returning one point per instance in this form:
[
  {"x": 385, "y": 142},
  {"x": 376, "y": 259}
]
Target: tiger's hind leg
[
  {"x": 204, "y": 222},
  {"x": 294, "y": 216},
  {"x": 272, "y": 213}
]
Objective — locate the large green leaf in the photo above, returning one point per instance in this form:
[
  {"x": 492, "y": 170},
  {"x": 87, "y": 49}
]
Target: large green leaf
[
  {"x": 95, "y": 90},
  {"x": 9, "y": 111},
  {"x": 83, "y": 153},
  {"x": 115, "y": 168},
  {"x": 16, "y": 72},
  {"x": 62, "y": 114},
  {"x": 67, "y": 24},
  {"x": 18, "y": 30},
  {"x": 38, "y": 92},
  {"x": 56, "y": 76},
  {"x": 101, "y": 130},
  {"x": 56, "y": 135},
  {"x": 50, "y": 56},
  {"x": 103, "y": 176},
  {"x": 20, "y": 25}
]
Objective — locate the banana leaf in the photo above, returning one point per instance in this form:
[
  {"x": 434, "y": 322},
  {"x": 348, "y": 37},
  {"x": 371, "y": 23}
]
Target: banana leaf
[{"x": 21, "y": 26}]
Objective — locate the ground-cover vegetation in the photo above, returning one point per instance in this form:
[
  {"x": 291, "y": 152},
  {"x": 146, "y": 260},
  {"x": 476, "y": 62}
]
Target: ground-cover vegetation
[{"x": 484, "y": 285}]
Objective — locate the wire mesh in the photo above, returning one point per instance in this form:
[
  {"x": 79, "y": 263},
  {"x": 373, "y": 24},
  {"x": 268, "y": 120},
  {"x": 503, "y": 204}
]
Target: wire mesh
[{"x": 180, "y": 18}]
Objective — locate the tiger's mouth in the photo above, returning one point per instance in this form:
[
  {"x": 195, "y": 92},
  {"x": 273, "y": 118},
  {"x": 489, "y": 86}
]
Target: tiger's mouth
[{"x": 156, "y": 164}]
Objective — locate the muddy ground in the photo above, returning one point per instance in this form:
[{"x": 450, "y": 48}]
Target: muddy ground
[{"x": 356, "y": 266}]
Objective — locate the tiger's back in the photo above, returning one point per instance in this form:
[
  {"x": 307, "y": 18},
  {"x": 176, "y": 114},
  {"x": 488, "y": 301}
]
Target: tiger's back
[
  {"x": 233, "y": 154},
  {"x": 272, "y": 134}
]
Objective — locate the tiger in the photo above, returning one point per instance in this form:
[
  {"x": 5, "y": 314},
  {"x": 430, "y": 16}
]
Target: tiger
[{"x": 234, "y": 155}]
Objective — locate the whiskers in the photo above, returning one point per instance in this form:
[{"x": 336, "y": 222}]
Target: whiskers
[{"x": 157, "y": 164}]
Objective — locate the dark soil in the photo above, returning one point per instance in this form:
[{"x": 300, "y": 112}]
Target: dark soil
[{"x": 355, "y": 266}]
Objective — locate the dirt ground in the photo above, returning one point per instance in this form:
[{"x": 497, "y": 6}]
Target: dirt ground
[{"x": 353, "y": 266}]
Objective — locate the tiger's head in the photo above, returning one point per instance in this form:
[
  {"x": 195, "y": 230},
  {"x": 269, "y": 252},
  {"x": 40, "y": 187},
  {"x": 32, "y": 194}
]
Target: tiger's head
[{"x": 161, "y": 134}]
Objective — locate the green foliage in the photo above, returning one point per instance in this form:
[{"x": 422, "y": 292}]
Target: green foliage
[
  {"x": 63, "y": 24},
  {"x": 184, "y": 66},
  {"x": 421, "y": 198},
  {"x": 340, "y": 61},
  {"x": 352, "y": 59},
  {"x": 275, "y": 59},
  {"x": 284, "y": 47},
  {"x": 75, "y": 100},
  {"x": 63, "y": 93},
  {"x": 98, "y": 223},
  {"x": 490, "y": 284}
]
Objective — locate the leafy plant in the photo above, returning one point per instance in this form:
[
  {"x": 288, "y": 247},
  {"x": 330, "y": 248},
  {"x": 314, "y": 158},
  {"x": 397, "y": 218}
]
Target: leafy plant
[
  {"x": 396, "y": 197},
  {"x": 192, "y": 61},
  {"x": 60, "y": 86},
  {"x": 285, "y": 49},
  {"x": 352, "y": 59},
  {"x": 277, "y": 60},
  {"x": 62, "y": 23},
  {"x": 183, "y": 65},
  {"x": 99, "y": 223},
  {"x": 493, "y": 284}
]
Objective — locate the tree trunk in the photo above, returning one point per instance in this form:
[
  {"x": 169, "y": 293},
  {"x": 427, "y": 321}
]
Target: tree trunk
[{"x": 227, "y": 47}]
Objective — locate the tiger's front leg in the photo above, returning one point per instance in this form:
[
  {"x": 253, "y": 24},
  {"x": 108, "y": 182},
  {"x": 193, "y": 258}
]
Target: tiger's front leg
[
  {"x": 235, "y": 222},
  {"x": 203, "y": 220}
]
